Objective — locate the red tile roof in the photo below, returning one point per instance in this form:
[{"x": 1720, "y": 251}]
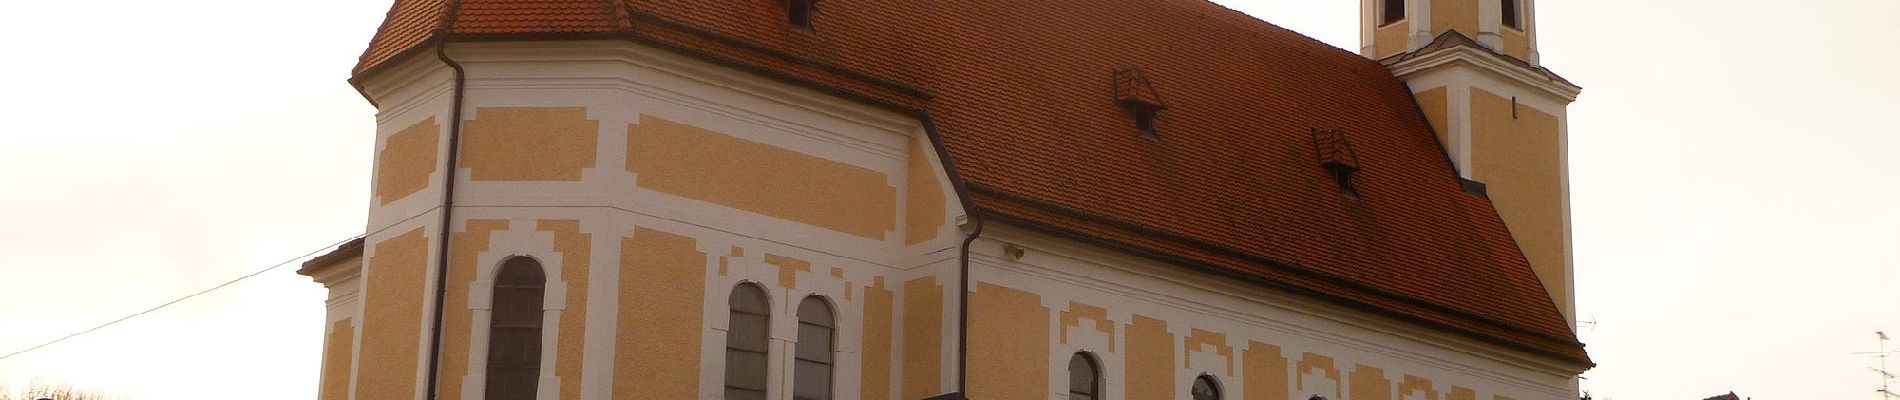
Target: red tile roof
[{"x": 1022, "y": 95}]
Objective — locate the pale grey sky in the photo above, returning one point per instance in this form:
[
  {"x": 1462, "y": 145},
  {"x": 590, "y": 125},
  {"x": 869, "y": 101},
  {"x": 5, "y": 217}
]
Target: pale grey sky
[{"x": 1732, "y": 172}]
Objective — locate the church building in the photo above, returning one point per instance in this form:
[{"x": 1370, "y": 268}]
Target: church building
[{"x": 955, "y": 199}]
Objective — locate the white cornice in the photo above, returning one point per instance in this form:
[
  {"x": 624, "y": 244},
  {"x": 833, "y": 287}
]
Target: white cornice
[
  {"x": 685, "y": 67},
  {"x": 1449, "y": 343},
  {"x": 1488, "y": 62},
  {"x": 336, "y": 272}
]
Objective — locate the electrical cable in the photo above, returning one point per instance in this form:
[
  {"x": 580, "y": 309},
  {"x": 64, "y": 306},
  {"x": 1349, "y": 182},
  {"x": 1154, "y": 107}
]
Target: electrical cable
[{"x": 175, "y": 301}]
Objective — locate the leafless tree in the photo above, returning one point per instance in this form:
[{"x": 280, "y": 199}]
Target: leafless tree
[{"x": 55, "y": 391}]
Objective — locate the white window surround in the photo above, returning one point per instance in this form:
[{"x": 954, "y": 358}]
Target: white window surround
[
  {"x": 521, "y": 240},
  {"x": 818, "y": 283}
]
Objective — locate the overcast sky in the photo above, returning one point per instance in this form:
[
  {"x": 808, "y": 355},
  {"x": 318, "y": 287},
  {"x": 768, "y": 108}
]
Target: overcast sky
[{"x": 1737, "y": 213}]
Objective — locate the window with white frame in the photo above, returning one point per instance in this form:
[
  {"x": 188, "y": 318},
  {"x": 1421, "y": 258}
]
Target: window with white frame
[
  {"x": 514, "y": 331},
  {"x": 746, "y": 341},
  {"x": 813, "y": 364},
  {"x": 1205, "y": 388},
  {"x": 1085, "y": 379}
]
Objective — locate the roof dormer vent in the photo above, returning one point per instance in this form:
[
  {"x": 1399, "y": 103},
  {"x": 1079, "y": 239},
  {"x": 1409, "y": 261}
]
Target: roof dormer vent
[
  {"x": 1134, "y": 93},
  {"x": 1337, "y": 157},
  {"x": 799, "y": 12}
]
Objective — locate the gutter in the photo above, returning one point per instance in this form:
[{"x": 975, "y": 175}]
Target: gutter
[{"x": 448, "y": 200}]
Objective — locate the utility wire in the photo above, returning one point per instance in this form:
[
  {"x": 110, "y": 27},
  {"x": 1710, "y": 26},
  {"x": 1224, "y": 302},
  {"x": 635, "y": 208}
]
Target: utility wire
[{"x": 175, "y": 301}]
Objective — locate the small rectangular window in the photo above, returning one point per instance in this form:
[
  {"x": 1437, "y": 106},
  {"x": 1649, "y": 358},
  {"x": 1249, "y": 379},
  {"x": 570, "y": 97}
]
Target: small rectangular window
[
  {"x": 1145, "y": 120},
  {"x": 1393, "y": 11},
  {"x": 1509, "y": 7},
  {"x": 800, "y": 12}
]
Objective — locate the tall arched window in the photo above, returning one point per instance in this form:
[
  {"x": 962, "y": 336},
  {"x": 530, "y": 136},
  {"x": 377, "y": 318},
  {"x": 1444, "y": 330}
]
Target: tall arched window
[
  {"x": 812, "y": 372},
  {"x": 1085, "y": 380},
  {"x": 745, "y": 343},
  {"x": 514, "y": 331},
  {"x": 1205, "y": 388}
]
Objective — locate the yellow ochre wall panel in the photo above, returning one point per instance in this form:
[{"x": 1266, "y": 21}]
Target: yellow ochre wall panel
[
  {"x": 662, "y": 290},
  {"x": 925, "y": 212},
  {"x": 1316, "y": 363},
  {"x": 529, "y": 143},
  {"x": 1077, "y": 311},
  {"x": 1150, "y": 360},
  {"x": 1437, "y": 109},
  {"x": 576, "y": 254},
  {"x": 923, "y": 338},
  {"x": 406, "y": 161},
  {"x": 1516, "y": 44},
  {"x": 1391, "y": 39},
  {"x": 392, "y": 317},
  {"x": 1198, "y": 338},
  {"x": 788, "y": 269},
  {"x": 1369, "y": 383},
  {"x": 876, "y": 381},
  {"x": 1008, "y": 329},
  {"x": 701, "y": 164},
  {"x": 1264, "y": 370},
  {"x": 336, "y": 362},
  {"x": 456, "y": 317},
  {"x": 1519, "y": 161},
  {"x": 1458, "y": 393},
  {"x": 1422, "y": 386},
  {"x": 1460, "y": 15}
]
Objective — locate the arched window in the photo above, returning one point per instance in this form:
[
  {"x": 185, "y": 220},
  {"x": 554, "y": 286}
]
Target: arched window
[
  {"x": 1205, "y": 389},
  {"x": 514, "y": 331},
  {"x": 812, "y": 372},
  {"x": 1085, "y": 380},
  {"x": 745, "y": 343}
]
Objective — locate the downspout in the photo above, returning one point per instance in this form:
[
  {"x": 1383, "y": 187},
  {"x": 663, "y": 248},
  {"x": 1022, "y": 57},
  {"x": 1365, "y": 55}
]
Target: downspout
[
  {"x": 963, "y": 258},
  {"x": 448, "y": 204},
  {"x": 963, "y": 306}
]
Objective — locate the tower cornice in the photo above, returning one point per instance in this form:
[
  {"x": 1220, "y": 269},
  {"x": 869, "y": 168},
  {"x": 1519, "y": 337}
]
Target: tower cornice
[{"x": 1408, "y": 65}]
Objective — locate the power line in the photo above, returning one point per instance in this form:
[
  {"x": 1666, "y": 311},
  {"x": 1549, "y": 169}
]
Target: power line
[{"x": 175, "y": 301}]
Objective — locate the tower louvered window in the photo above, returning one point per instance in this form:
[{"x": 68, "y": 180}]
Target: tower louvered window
[
  {"x": 514, "y": 331},
  {"x": 1511, "y": 16},
  {"x": 1391, "y": 11},
  {"x": 746, "y": 337}
]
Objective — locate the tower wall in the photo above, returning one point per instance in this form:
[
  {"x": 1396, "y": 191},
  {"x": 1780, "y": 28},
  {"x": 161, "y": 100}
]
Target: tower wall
[{"x": 1506, "y": 127}]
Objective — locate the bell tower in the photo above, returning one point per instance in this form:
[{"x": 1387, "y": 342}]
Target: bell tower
[
  {"x": 1473, "y": 67},
  {"x": 1392, "y": 27}
]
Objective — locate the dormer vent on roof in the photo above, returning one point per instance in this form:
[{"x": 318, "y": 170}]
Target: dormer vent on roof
[
  {"x": 799, "y": 12},
  {"x": 1135, "y": 93},
  {"x": 1337, "y": 157}
]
